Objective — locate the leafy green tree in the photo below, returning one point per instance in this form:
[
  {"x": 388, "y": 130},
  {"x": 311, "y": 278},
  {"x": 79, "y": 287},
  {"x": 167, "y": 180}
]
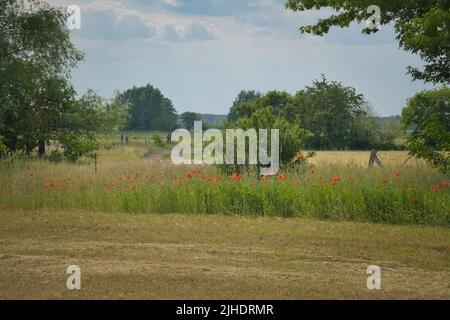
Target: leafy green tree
[
  {"x": 188, "y": 119},
  {"x": 149, "y": 109},
  {"x": 332, "y": 112},
  {"x": 36, "y": 56},
  {"x": 243, "y": 96},
  {"x": 422, "y": 27},
  {"x": 391, "y": 133},
  {"x": 428, "y": 113},
  {"x": 292, "y": 135},
  {"x": 90, "y": 115},
  {"x": 277, "y": 101}
]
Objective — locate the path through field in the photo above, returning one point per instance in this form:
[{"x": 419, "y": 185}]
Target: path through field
[
  {"x": 197, "y": 257},
  {"x": 159, "y": 154}
]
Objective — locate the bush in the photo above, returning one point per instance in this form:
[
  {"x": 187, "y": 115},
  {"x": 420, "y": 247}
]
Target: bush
[{"x": 156, "y": 137}]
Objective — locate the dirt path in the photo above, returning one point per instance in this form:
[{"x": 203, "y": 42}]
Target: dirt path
[
  {"x": 200, "y": 257},
  {"x": 158, "y": 154}
]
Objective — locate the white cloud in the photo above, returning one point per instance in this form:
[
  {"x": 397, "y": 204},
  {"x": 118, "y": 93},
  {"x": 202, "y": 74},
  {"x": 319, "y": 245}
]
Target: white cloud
[{"x": 173, "y": 3}]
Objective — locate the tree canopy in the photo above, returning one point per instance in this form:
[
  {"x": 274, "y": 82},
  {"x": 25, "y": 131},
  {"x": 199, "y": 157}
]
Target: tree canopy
[
  {"x": 149, "y": 109},
  {"x": 243, "y": 96},
  {"x": 422, "y": 27},
  {"x": 337, "y": 116},
  {"x": 188, "y": 119},
  {"x": 428, "y": 113},
  {"x": 38, "y": 104}
]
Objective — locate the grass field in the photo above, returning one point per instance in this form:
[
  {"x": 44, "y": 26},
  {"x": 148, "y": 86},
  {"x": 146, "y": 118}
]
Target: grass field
[
  {"x": 141, "y": 227},
  {"x": 176, "y": 256}
]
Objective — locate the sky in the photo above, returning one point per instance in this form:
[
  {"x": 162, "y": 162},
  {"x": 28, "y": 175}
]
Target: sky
[{"x": 202, "y": 53}]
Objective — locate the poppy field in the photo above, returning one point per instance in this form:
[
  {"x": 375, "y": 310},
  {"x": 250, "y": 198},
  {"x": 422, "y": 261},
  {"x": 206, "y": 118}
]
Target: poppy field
[
  {"x": 412, "y": 194},
  {"x": 141, "y": 227}
]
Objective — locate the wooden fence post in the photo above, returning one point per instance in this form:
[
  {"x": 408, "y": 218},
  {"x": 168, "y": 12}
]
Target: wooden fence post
[
  {"x": 374, "y": 159},
  {"x": 95, "y": 162}
]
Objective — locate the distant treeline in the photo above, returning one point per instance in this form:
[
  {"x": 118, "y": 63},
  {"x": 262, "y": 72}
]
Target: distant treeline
[{"x": 336, "y": 116}]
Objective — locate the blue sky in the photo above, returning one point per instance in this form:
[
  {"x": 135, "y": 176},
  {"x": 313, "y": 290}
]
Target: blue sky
[{"x": 201, "y": 53}]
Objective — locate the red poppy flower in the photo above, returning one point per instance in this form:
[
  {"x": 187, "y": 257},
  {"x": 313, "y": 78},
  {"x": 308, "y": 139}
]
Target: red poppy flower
[{"x": 235, "y": 177}]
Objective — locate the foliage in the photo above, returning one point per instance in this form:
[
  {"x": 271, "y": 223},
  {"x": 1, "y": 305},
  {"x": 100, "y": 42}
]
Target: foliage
[
  {"x": 422, "y": 27},
  {"x": 38, "y": 103},
  {"x": 292, "y": 135},
  {"x": 2, "y": 147},
  {"x": 416, "y": 195},
  {"x": 337, "y": 116},
  {"x": 157, "y": 139},
  {"x": 148, "y": 108},
  {"x": 243, "y": 96},
  {"x": 428, "y": 113},
  {"x": 188, "y": 119},
  {"x": 332, "y": 113}
]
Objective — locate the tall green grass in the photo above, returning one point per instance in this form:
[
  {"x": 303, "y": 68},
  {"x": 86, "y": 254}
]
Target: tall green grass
[{"x": 383, "y": 195}]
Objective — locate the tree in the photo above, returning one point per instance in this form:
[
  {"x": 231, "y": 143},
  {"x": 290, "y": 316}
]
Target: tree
[
  {"x": 188, "y": 119},
  {"x": 270, "y": 111},
  {"x": 422, "y": 27},
  {"x": 149, "y": 109},
  {"x": 36, "y": 56},
  {"x": 333, "y": 113},
  {"x": 243, "y": 96},
  {"x": 90, "y": 115},
  {"x": 38, "y": 104},
  {"x": 428, "y": 113},
  {"x": 277, "y": 101},
  {"x": 292, "y": 135}
]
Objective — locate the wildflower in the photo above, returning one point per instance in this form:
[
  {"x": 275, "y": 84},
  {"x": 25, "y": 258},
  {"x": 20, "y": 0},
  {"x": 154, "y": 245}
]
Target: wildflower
[
  {"x": 235, "y": 177},
  {"x": 298, "y": 157},
  {"x": 189, "y": 176},
  {"x": 397, "y": 174},
  {"x": 282, "y": 178},
  {"x": 196, "y": 171},
  {"x": 336, "y": 178},
  {"x": 333, "y": 183},
  {"x": 349, "y": 177},
  {"x": 218, "y": 178},
  {"x": 444, "y": 183},
  {"x": 325, "y": 184},
  {"x": 435, "y": 187},
  {"x": 264, "y": 177}
]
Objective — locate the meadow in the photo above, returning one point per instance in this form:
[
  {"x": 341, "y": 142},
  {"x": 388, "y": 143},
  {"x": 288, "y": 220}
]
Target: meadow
[
  {"x": 141, "y": 227},
  {"x": 138, "y": 178}
]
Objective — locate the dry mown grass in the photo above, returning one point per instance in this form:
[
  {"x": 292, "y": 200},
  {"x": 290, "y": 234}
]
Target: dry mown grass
[{"x": 199, "y": 257}]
